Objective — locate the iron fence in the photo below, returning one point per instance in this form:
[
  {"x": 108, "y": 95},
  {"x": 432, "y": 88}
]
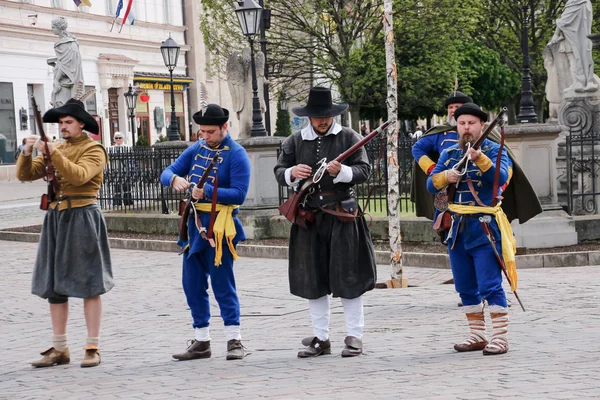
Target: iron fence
[
  {"x": 583, "y": 167},
  {"x": 132, "y": 180},
  {"x": 377, "y": 184}
]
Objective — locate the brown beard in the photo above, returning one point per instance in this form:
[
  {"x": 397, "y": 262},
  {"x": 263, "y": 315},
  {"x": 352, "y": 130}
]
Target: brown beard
[{"x": 462, "y": 143}]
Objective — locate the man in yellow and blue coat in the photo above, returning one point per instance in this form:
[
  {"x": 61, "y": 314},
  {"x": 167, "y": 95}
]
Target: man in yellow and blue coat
[
  {"x": 475, "y": 268},
  {"x": 227, "y": 185}
]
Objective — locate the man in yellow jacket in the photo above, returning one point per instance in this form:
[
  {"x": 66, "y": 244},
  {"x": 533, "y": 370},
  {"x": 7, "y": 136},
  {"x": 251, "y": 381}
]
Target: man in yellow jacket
[{"x": 73, "y": 258}]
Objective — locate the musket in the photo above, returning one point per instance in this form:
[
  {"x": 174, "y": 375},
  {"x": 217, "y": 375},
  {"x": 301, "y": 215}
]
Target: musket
[
  {"x": 188, "y": 205},
  {"x": 50, "y": 177},
  {"x": 484, "y": 224},
  {"x": 290, "y": 208},
  {"x": 463, "y": 162}
]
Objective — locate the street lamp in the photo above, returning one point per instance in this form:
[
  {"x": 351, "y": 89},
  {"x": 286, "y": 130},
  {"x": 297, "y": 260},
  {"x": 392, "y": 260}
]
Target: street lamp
[
  {"x": 170, "y": 53},
  {"x": 131, "y": 99},
  {"x": 249, "y": 16},
  {"x": 283, "y": 103},
  {"x": 527, "y": 110}
]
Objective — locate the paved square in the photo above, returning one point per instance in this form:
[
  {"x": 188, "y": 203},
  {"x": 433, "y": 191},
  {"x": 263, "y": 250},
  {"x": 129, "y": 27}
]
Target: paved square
[{"x": 554, "y": 347}]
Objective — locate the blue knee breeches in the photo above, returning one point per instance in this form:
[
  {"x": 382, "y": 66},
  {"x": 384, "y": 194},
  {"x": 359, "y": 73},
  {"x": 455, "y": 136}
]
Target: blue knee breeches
[
  {"x": 477, "y": 274},
  {"x": 197, "y": 268}
]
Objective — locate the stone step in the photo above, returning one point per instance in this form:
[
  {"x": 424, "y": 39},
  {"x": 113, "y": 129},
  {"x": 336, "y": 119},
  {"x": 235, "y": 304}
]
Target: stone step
[{"x": 550, "y": 229}]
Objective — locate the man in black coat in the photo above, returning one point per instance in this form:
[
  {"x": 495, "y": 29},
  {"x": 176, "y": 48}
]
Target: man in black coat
[{"x": 332, "y": 255}]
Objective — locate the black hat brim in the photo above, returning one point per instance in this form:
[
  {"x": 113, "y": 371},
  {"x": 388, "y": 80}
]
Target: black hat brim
[
  {"x": 211, "y": 120},
  {"x": 458, "y": 98},
  {"x": 75, "y": 111},
  {"x": 471, "y": 109},
  {"x": 322, "y": 112}
]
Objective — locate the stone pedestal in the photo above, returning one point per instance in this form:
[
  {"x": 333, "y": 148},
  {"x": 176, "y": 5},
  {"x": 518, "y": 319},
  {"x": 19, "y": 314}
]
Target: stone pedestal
[
  {"x": 535, "y": 149},
  {"x": 263, "y": 194}
]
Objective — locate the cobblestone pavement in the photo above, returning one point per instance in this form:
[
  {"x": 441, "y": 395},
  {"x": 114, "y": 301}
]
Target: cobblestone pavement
[
  {"x": 408, "y": 339},
  {"x": 19, "y": 204}
]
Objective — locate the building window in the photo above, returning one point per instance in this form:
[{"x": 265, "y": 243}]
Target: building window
[
  {"x": 179, "y": 112},
  {"x": 57, "y": 3},
  {"x": 8, "y": 121},
  {"x": 167, "y": 12},
  {"x": 111, "y": 7}
]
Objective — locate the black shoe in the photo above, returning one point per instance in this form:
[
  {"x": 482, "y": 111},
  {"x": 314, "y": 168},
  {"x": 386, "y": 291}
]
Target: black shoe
[
  {"x": 315, "y": 347},
  {"x": 196, "y": 350},
  {"x": 235, "y": 350},
  {"x": 354, "y": 347}
]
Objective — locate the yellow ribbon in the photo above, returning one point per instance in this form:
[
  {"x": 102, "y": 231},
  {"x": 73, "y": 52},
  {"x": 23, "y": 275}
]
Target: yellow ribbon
[
  {"x": 509, "y": 243},
  {"x": 224, "y": 225}
]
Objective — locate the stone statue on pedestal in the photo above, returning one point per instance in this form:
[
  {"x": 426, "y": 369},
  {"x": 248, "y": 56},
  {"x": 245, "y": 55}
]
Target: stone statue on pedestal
[
  {"x": 571, "y": 48},
  {"x": 239, "y": 80},
  {"x": 68, "y": 71}
]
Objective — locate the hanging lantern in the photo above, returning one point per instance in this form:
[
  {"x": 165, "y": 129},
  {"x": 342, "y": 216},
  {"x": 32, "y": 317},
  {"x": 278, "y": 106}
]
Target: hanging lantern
[{"x": 144, "y": 97}]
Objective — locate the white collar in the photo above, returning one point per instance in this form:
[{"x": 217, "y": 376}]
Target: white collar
[{"x": 308, "y": 133}]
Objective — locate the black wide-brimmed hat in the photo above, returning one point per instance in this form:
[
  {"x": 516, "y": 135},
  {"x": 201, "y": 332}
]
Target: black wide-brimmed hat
[
  {"x": 457, "y": 97},
  {"x": 213, "y": 115},
  {"x": 320, "y": 105},
  {"x": 471, "y": 109},
  {"x": 76, "y": 109}
]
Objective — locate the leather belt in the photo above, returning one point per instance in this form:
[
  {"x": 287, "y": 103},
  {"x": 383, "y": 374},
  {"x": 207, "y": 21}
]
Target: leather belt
[{"x": 69, "y": 198}]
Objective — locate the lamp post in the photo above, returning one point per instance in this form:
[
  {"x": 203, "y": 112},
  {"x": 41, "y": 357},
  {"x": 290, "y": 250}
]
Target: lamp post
[
  {"x": 265, "y": 25},
  {"x": 249, "y": 15},
  {"x": 131, "y": 99},
  {"x": 527, "y": 111},
  {"x": 170, "y": 53}
]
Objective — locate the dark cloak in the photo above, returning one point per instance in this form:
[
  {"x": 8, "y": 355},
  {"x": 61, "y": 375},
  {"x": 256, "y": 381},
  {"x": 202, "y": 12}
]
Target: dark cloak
[{"x": 520, "y": 201}]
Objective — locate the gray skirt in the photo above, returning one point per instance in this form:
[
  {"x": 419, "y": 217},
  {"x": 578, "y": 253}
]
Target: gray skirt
[{"x": 73, "y": 256}]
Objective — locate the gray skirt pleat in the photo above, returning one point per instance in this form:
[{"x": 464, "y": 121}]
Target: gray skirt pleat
[{"x": 73, "y": 256}]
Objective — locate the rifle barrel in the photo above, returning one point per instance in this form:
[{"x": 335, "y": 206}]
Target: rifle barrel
[{"x": 363, "y": 141}]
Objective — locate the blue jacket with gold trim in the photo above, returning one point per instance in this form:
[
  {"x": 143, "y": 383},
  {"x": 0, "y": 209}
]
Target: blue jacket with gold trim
[
  {"x": 428, "y": 148},
  {"x": 233, "y": 167},
  {"x": 481, "y": 172}
]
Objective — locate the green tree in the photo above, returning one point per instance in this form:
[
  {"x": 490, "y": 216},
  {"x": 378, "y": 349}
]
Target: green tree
[
  {"x": 282, "y": 126},
  {"x": 502, "y": 31},
  {"x": 317, "y": 40}
]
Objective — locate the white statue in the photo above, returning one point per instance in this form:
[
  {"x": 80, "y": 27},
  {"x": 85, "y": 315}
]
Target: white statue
[
  {"x": 571, "y": 41},
  {"x": 239, "y": 79},
  {"x": 68, "y": 71}
]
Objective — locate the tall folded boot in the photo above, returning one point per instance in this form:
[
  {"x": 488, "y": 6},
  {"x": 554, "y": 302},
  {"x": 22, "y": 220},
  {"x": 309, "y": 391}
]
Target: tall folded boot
[
  {"x": 354, "y": 347},
  {"x": 499, "y": 342},
  {"x": 477, "y": 339},
  {"x": 314, "y": 347},
  {"x": 235, "y": 350},
  {"x": 53, "y": 357},
  {"x": 196, "y": 349},
  {"x": 91, "y": 358}
]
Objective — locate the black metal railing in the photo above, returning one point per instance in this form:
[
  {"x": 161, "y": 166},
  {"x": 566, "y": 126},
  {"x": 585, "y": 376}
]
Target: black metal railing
[
  {"x": 377, "y": 184},
  {"x": 132, "y": 180},
  {"x": 583, "y": 170}
]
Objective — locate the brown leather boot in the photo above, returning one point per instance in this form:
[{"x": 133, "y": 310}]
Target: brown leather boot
[
  {"x": 354, "y": 347},
  {"x": 197, "y": 349},
  {"x": 91, "y": 358},
  {"x": 53, "y": 357},
  {"x": 235, "y": 350},
  {"x": 477, "y": 340},
  {"x": 315, "y": 347}
]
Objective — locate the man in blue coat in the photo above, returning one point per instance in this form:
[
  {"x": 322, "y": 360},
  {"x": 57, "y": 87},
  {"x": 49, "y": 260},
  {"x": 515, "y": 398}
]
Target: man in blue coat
[
  {"x": 426, "y": 152},
  {"x": 213, "y": 228},
  {"x": 475, "y": 268}
]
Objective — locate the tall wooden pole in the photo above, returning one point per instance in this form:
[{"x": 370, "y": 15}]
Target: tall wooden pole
[{"x": 392, "y": 150}]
